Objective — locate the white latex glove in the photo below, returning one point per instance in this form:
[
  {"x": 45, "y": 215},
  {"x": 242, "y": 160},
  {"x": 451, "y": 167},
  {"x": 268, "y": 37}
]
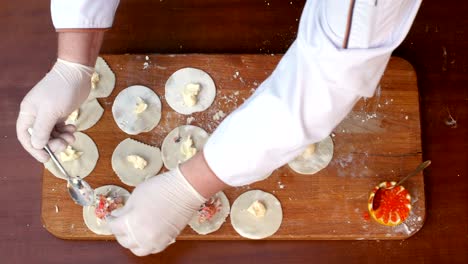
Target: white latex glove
[
  {"x": 155, "y": 213},
  {"x": 48, "y": 104}
]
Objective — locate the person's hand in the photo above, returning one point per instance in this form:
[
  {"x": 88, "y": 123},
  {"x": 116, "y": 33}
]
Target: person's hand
[
  {"x": 48, "y": 104},
  {"x": 155, "y": 213}
]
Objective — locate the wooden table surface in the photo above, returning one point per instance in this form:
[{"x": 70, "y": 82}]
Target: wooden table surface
[{"x": 436, "y": 46}]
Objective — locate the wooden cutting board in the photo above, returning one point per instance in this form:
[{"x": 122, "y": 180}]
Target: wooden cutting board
[{"x": 379, "y": 140}]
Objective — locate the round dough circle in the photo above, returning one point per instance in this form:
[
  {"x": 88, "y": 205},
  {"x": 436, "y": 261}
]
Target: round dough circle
[
  {"x": 82, "y": 166},
  {"x": 318, "y": 161},
  {"x": 170, "y": 149},
  {"x": 125, "y": 170},
  {"x": 216, "y": 221},
  {"x": 106, "y": 83},
  {"x": 95, "y": 224},
  {"x": 89, "y": 114},
  {"x": 250, "y": 226},
  {"x": 175, "y": 85},
  {"x": 124, "y": 105}
]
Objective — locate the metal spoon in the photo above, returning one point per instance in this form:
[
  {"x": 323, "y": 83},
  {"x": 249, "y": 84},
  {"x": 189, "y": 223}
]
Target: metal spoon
[
  {"x": 376, "y": 202},
  {"x": 79, "y": 189}
]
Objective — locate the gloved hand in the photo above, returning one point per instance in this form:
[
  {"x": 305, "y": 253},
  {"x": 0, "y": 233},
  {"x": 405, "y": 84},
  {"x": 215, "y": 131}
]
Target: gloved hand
[
  {"x": 155, "y": 213},
  {"x": 48, "y": 104}
]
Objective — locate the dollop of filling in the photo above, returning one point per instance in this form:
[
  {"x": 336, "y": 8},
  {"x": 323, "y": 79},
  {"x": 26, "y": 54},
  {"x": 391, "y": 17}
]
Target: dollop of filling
[
  {"x": 71, "y": 119},
  {"x": 137, "y": 161},
  {"x": 187, "y": 148},
  {"x": 141, "y": 106},
  {"x": 106, "y": 204},
  {"x": 190, "y": 94},
  {"x": 257, "y": 209},
  {"x": 309, "y": 151},
  {"x": 70, "y": 154},
  {"x": 94, "y": 80},
  {"x": 209, "y": 209}
]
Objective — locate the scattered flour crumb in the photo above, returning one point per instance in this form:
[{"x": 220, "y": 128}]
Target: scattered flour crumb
[
  {"x": 219, "y": 115},
  {"x": 255, "y": 83},
  {"x": 333, "y": 134},
  {"x": 56, "y": 209},
  {"x": 280, "y": 185},
  {"x": 236, "y": 93},
  {"x": 419, "y": 218},
  {"x": 406, "y": 117},
  {"x": 252, "y": 90},
  {"x": 190, "y": 119},
  {"x": 72, "y": 226},
  {"x": 236, "y": 74},
  {"x": 145, "y": 65},
  {"x": 450, "y": 121},
  {"x": 146, "y": 58}
]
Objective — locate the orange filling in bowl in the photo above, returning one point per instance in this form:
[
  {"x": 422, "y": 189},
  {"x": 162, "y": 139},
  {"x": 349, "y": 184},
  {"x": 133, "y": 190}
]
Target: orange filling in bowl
[{"x": 392, "y": 205}]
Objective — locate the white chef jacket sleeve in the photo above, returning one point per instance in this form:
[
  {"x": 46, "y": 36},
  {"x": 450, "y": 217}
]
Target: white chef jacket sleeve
[
  {"x": 79, "y": 14},
  {"x": 312, "y": 89}
]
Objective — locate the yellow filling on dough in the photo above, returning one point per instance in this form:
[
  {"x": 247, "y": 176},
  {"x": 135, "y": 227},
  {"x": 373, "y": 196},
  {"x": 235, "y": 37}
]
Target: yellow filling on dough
[
  {"x": 69, "y": 154},
  {"x": 137, "y": 161},
  {"x": 257, "y": 209},
  {"x": 73, "y": 116},
  {"x": 141, "y": 106},
  {"x": 187, "y": 148},
  {"x": 190, "y": 94},
  {"x": 309, "y": 151},
  {"x": 94, "y": 80}
]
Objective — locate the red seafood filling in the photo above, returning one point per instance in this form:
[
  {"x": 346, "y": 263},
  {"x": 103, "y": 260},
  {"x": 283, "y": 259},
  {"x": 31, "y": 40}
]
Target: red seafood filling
[
  {"x": 208, "y": 210},
  {"x": 107, "y": 204}
]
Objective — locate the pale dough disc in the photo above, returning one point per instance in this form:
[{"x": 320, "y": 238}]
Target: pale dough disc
[
  {"x": 82, "y": 166},
  {"x": 319, "y": 160},
  {"x": 209, "y": 226},
  {"x": 125, "y": 170},
  {"x": 106, "y": 83},
  {"x": 171, "y": 154},
  {"x": 124, "y": 106},
  {"x": 175, "y": 85},
  {"x": 249, "y": 226},
  {"x": 95, "y": 224},
  {"x": 89, "y": 114}
]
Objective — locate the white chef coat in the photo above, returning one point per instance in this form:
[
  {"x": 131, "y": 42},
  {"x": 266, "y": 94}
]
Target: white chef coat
[{"x": 312, "y": 89}]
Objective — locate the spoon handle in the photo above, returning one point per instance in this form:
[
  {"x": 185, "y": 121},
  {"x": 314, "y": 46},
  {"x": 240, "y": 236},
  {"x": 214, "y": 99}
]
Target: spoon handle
[
  {"x": 421, "y": 167},
  {"x": 56, "y": 161},
  {"x": 53, "y": 157}
]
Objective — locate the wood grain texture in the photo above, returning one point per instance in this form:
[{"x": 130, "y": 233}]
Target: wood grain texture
[
  {"x": 28, "y": 49},
  {"x": 379, "y": 140}
]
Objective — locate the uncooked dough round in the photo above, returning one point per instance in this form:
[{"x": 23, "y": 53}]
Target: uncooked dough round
[
  {"x": 210, "y": 226},
  {"x": 175, "y": 86},
  {"x": 82, "y": 166},
  {"x": 124, "y": 105},
  {"x": 171, "y": 154},
  {"x": 106, "y": 83},
  {"x": 249, "y": 226},
  {"x": 125, "y": 170},
  {"x": 317, "y": 161},
  {"x": 95, "y": 224},
  {"x": 89, "y": 114}
]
